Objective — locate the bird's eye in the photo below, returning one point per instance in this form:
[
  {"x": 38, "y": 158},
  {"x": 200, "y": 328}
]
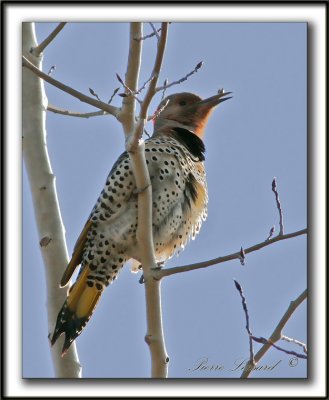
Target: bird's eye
[{"x": 182, "y": 103}]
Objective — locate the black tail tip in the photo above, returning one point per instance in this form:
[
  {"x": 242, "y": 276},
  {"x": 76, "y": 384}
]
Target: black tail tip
[
  {"x": 67, "y": 343},
  {"x": 57, "y": 333}
]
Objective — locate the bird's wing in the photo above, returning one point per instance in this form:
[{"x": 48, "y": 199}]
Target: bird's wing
[
  {"x": 77, "y": 254},
  {"x": 106, "y": 208}
]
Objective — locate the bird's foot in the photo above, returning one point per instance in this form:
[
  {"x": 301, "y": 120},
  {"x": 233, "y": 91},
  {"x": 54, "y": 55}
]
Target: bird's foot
[{"x": 159, "y": 266}]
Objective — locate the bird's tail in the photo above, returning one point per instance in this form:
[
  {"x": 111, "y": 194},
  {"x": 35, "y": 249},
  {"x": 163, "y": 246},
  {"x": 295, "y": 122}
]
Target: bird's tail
[{"x": 77, "y": 310}]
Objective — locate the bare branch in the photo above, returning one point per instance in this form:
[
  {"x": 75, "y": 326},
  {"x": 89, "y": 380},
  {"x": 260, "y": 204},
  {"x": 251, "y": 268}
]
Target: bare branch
[
  {"x": 292, "y": 340},
  {"x": 278, "y": 204},
  {"x": 69, "y": 113},
  {"x": 51, "y": 232},
  {"x": 151, "y": 91},
  {"x": 82, "y": 97},
  {"x": 144, "y": 85},
  {"x": 277, "y": 333},
  {"x": 148, "y": 36},
  {"x": 197, "y": 67},
  {"x": 40, "y": 48},
  {"x": 136, "y": 149},
  {"x": 127, "y": 115},
  {"x": 268, "y": 342},
  {"x": 165, "y": 83},
  {"x": 128, "y": 91},
  {"x": 204, "y": 264},
  {"x": 154, "y": 336},
  {"x": 158, "y": 111},
  {"x": 115, "y": 91},
  {"x": 155, "y": 31},
  {"x": 245, "y": 309}
]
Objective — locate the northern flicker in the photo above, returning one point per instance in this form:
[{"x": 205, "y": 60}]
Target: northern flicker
[{"x": 174, "y": 155}]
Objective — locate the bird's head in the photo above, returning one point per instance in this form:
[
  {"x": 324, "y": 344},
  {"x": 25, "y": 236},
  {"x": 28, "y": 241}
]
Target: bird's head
[{"x": 187, "y": 110}]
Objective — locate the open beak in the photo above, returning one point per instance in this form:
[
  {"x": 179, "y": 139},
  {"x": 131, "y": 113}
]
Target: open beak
[{"x": 213, "y": 101}]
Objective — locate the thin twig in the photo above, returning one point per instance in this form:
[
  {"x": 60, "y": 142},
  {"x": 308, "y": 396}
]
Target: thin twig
[
  {"x": 93, "y": 93},
  {"x": 278, "y": 204},
  {"x": 277, "y": 333},
  {"x": 52, "y": 68},
  {"x": 69, "y": 113},
  {"x": 270, "y": 235},
  {"x": 165, "y": 83},
  {"x": 164, "y": 87},
  {"x": 155, "y": 73},
  {"x": 153, "y": 82},
  {"x": 133, "y": 92},
  {"x": 204, "y": 264},
  {"x": 245, "y": 309},
  {"x": 155, "y": 31},
  {"x": 268, "y": 342},
  {"x": 158, "y": 111},
  {"x": 295, "y": 341},
  {"x": 75, "y": 93},
  {"x": 115, "y": 91},
  {"x": 40, "y": 48},
  {"x": 144, "y": 85},
  {"x": 242, "y": 256},
  {"x": 147, "y": 134},
  {"x": 129, "y": 92},
  {"x": 147, "y": 36}
]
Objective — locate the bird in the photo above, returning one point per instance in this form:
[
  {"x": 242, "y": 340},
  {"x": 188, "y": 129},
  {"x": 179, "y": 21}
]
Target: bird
[{"x": 175, "y": 155}]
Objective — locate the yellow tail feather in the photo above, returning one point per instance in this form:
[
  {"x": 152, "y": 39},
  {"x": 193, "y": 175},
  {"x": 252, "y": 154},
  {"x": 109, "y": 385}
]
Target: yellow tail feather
[
  {"x": 87, "y": 302},
  {"x": 82, "y": 299},
  {"x": 76, "y": 310},
  {"x": 77, "y": 289}
]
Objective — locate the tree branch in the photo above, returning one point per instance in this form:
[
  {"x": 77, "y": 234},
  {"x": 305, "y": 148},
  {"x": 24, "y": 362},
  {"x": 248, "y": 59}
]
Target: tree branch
[
  {"x": 46, "y": 208},
  {"x": 150, "y": 35},
  {"x": 265, "y": 341},
  {"x": 159, "y": 274},
  {"x": 245, "y": 309},
  {"x": 69, "y": 113},
  {"x": 277, "y": 333},
  {"x": 154, "y": 336},
  {"x": 278, "y": 204},
  {"x": 75, "y": 93},
  {"x": 292, "y": 340},
  {"x": 40, "y": 48},
  {"x": 136, "y": 149},
  {"x": 184, "y": 78},
  {"x": 151, "y": 91}
]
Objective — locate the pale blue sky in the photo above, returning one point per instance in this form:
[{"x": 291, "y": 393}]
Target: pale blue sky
[{"x": 258, "y": 134}]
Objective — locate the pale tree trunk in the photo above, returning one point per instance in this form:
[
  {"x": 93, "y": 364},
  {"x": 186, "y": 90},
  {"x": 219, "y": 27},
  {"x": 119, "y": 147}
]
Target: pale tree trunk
[{"x": 47, "y": 213}]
